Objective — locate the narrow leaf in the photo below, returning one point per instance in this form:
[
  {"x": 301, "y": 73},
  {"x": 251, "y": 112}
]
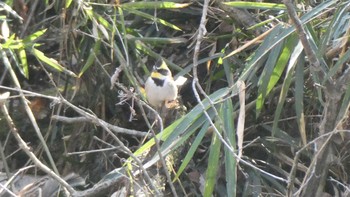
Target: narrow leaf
[
  {"x": 68, "y": 3},
  {"x": 230, "y": 160},
  {"x": 299, "y": 96},
  {"x": 192, "y": 149},
  {"x": 151, "y": 17},
  {"x": 286, "y": 84},
  {"x": 154, "y": 5},
  {"x": 241, "y": 117},
  {"x": 256, "y": 5},
  {"x": 92, "y": 56},
  {"x": 34, "y": 36},
  {"x": 271, "y": 78},
  {"x": 213, "y": 165},
  {"x": 24, "y": 63},
  {"x": 51, "y": 62}
]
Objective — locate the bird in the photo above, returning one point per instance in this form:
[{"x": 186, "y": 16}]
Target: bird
[{"x": 160, "y": 86}]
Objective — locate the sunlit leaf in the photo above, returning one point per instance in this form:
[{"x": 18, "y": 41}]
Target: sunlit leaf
[
  {"x": 213, "y": 165},
  {"x": 286, "y": 84},
  {"x": 154, "y": 5},
  {"x": 34, "y": 36},
  {"x": 270, "y": 77},
  {"x": 68, "y": 3},
  {"x": 192, "y": 149},
  {"x": 92, "y": 56},
  {"x": 5, "y": 30},
  {"x": 256, "y": 5},
  {"x": 230, "y": 161},
  {"x": 24, "y": 63},
  {"x": 151, "y": 17},
  {"x": 51, "y": 62}
]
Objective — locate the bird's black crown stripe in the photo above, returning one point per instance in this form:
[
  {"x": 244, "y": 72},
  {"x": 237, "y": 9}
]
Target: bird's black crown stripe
[
  {"x": 163, "y": 71},
  {"x": 158, "y": 82}
]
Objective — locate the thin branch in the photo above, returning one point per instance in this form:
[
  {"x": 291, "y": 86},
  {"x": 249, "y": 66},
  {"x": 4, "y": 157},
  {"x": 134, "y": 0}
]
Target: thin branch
[
  {"x": 315, "y": 63},
  {"x": 114, "y": 128}
]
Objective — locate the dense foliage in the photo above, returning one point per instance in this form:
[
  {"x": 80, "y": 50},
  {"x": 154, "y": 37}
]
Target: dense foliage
[{"x": 264, "y": 110}]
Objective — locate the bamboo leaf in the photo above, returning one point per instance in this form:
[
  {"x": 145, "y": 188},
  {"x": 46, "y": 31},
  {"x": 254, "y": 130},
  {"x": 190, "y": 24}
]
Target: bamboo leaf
[
  {"x": 256, "y": 5},
  {"x": 34, "y": 36},
  {"x": 51, "y": 62},
  {"x": 265, "y": 79},
  {"x": 299, "y": 103},
  {"x": 154, "y": 5},
  {"x": 213, "y": 165},
  {"x": 339, "y": 20},
  {"x": 24, "y": 63},
  {"x": 241, "y": 117},
  {"x": 68, "y": 3},
  {"x": 158, "y": 40},
  {"x": 92, "y": 56},
  {"x": 270, "y": 78},
  {"x": 286, "y": 84},
  {"x": 230, "y": 160},
  {"x": 151, "y": 17},
  {"x": 192, "y": 149},
  {"x": 260, "y": 54}
]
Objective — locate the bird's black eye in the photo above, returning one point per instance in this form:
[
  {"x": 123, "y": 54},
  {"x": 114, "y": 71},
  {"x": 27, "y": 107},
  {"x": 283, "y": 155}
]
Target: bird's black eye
[{"x": 163, "y": 71}]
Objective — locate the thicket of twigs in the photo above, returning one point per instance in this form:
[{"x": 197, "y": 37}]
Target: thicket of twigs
[{"x": 264, "y": 110}]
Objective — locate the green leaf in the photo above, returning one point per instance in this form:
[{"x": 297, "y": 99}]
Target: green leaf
[
  {"x": 286, "y": 84},
  {"x": 92, "y": 56},
  {"x": 260, "y": 54},
  {"x": 142, "y": 47},
  {"x": 230, "y": 161},
  {"x": 339, "y": 21},
  {"x": 274, "y": 70},
  {"x": 188, "y": 123},
  {"x": 155, "y": 19},
  {"x": 263, "y": 50},
  {"x": 213, "y": 165},
  {"x": 154, "y": 5},
  {"x": 11, "y": 43},
  {"x": 256, "y": 5},
  {"x": 51, "y": 62},
  {"x": 29, "y": 39},
  {"x": 158, "y": 40},
  {"x": 266, "y": 83},
  {"x": 68, "y": 3},
  {"x": 24, "y": 63},
  {"x": 192, "y": 149},
  {"x": 299, "y": 103}
]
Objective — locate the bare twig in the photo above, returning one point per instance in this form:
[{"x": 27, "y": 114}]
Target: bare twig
[
  {"x": 315, "y": 63},
  {"x": 29, "y": 18},
  {"x": 114, "y": 128}
]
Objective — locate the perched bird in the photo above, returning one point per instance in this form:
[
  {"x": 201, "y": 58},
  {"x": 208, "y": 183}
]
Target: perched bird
[{"x": 160, "y": 86}]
